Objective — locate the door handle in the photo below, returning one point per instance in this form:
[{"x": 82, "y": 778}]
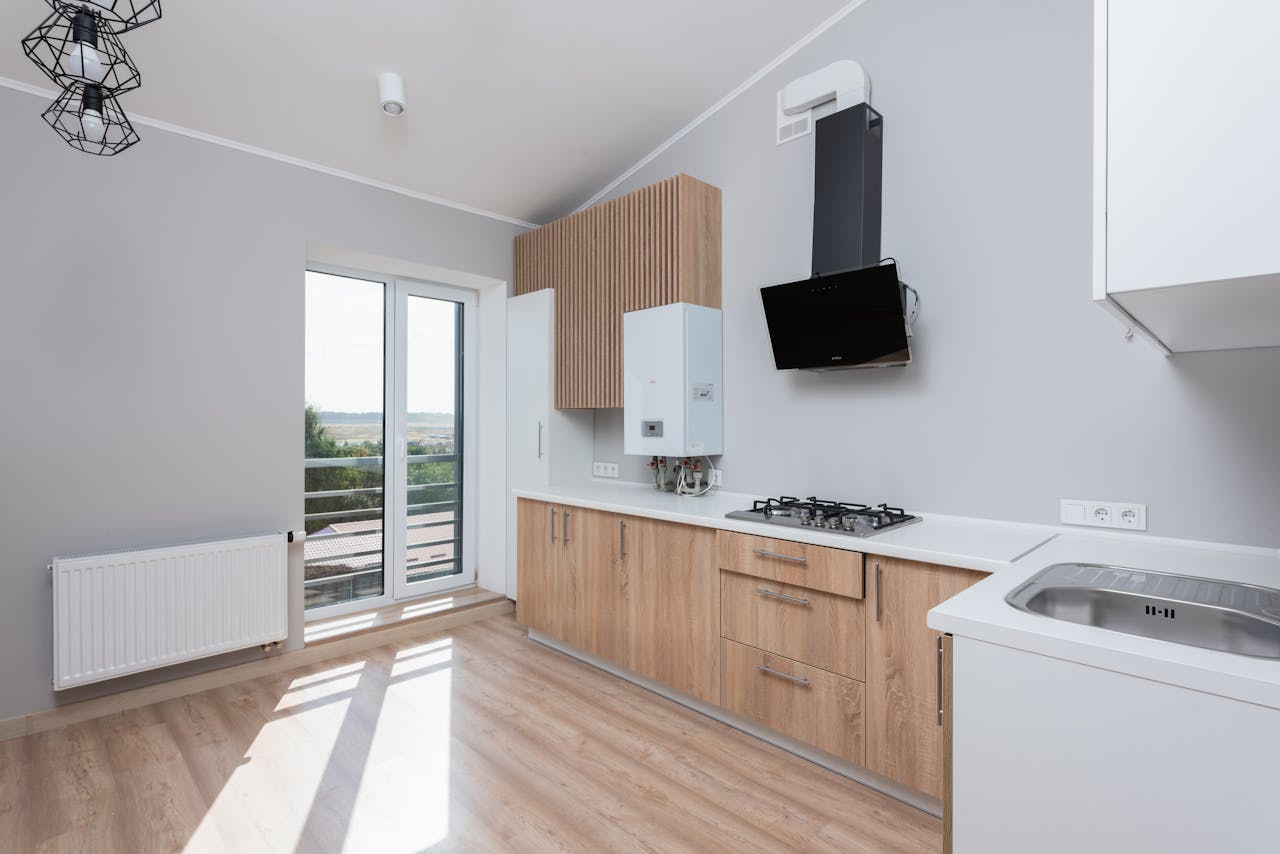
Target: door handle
[
  {"x": 938, "y": 681},
  {"x": 565, "y": 528},
  {"x": 799, "y": 680},
  {"x": 539, "y": 439},
  {"x": 779, "y": 556},
  {"x": 622, "y": 540},
  {"x": 553, "y": 524},
  {"x": 877, "y": 591},
  {"x": 794, "y": 600}
]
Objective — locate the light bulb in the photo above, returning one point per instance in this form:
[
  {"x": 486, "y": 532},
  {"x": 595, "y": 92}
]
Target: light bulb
[
  {"x": 85, "y": 62},
  {"x": 95, "y": 129}
]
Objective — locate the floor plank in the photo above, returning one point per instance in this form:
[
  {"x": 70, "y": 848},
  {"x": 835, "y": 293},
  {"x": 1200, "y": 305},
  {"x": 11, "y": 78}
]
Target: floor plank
[{"x": 474, "y": 739}]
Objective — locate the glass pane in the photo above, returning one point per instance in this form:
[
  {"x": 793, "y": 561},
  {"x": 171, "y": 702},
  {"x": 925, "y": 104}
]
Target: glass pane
[
  {"x": 433, "y": 398},
  {"x": 344, "y": 434}
]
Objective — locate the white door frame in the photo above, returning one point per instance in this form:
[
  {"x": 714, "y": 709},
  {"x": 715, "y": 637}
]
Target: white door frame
[
  {"x": 464, "y": 444},
  {"x": 396, "y": 292}
]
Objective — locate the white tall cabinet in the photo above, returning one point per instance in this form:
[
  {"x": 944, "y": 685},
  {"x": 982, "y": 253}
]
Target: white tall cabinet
[
  {"x": 545, "y": 445},
  {"x": 1187, "y": 169}
]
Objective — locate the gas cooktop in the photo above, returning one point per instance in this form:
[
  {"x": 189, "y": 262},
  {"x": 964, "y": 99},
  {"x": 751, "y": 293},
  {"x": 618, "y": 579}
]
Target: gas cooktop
[{"x": 856, "y": 520}]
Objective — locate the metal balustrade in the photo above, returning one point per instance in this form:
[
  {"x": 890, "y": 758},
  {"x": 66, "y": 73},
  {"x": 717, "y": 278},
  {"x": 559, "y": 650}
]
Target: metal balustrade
[{"x": 369, "y": 543}]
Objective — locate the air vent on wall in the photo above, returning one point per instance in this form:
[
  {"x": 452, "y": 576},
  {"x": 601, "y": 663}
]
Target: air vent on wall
[{"x": 793, "y": 127}]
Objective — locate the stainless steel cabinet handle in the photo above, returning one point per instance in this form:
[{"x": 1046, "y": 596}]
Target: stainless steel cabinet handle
[
  {"x": 787, "y": 676},
  {"x": 792, "y": 558},
  {"x": 938, "y": 683},
  {"x": 794, "y": 600},
  {"x": 553, "y": 524},
  {"x": 566, "y": 526},
  {"x": 622, "y": 539},
  {"x": 877, "y": 591},
  {"x": 539, "y": 440}
]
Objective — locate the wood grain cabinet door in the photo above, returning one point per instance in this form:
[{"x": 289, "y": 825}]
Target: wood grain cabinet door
[
  {"x": 672, "y": 599},
  {"x": 536, "y": 555},
  {"x": 904, "y": 731}
]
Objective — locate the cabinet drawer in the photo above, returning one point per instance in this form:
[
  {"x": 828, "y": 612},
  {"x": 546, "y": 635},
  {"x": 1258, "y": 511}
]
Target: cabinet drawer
[
  {"x": 816, "y": 567},
  {"x": 806, "y": 703},
  {"x": 809, "y": 626}
]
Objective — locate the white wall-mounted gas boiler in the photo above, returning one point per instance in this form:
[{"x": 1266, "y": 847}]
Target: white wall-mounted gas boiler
[{"x": 673, "y": 392}]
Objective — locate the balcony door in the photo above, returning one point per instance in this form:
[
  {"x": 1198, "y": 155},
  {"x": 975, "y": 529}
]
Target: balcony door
[{"x": 389, "y": 492}]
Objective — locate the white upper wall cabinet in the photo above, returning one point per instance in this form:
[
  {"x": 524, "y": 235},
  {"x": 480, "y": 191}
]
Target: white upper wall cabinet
[{"x": 1187, "y": 169}]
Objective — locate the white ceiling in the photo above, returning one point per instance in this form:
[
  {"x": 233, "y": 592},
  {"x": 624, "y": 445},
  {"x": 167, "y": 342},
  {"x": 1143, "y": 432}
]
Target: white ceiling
[{"x": 522, "y": 108}]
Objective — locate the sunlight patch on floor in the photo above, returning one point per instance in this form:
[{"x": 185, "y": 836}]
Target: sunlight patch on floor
[
  {"x": 403, "y": 803},
  {"x": 288, "y": 759}
]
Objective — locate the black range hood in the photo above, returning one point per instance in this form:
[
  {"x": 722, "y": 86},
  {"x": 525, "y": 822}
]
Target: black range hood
[{"x": 849, "y": 155}]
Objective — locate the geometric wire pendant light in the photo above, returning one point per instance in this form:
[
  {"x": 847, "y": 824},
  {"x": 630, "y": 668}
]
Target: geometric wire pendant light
[
  {"x": 78, "y": 47},
  {"x": 120, "y": 15},
  {"x": 91, "y": 120}
]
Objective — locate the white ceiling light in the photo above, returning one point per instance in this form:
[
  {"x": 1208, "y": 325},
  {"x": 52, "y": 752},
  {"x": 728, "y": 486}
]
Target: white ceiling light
[{"x": 391, "y": 93}]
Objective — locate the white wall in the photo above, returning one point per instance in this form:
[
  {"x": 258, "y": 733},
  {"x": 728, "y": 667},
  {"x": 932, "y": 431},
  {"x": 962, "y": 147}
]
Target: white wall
[
  {"x": 1022, "y": 391},
  {"x": 151, "y": 352}
]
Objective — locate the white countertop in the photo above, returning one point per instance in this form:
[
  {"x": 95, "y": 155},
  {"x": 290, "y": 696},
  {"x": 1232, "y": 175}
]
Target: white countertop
[
  {"x": 982, "y": 613},
  {"x": 978, "y": 544}
]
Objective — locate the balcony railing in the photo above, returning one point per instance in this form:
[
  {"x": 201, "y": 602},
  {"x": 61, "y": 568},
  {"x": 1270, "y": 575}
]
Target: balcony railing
[{"x": 344, "y": 547}]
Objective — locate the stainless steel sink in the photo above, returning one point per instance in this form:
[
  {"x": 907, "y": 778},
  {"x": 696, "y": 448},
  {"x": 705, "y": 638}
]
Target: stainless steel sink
[{"x": 1222, "y": 615}]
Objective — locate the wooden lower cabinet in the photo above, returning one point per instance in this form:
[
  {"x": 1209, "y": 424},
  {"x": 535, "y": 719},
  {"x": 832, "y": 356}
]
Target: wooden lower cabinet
[
  {"x": 905, "y": 734},
  {"x": 806, "y": 625},
  {"x": 640, "y": 593},
  {"x": 806, "y": 703},
  {"x": 703, "y": 612},
  {"x": 671, "y": 597}
]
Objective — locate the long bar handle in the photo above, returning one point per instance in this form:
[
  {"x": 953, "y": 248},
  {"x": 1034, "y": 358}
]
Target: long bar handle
[
  {"x": 799, "y": 680},
  {"x": 938, "y": 682},
  {"x": 553, "y": 524},
  {"x": 877, "y": 591},
  {"x": 565, "y": 526},
  {"x": 622, "y": 540},
  {"x": 780, "y": 556},
  {"x": 539, "y": 439},
  {"x": 772, "y": 594}
]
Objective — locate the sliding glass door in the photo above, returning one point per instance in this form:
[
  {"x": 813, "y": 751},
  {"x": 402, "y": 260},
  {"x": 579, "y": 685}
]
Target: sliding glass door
[{"x": 386, "y": 368}]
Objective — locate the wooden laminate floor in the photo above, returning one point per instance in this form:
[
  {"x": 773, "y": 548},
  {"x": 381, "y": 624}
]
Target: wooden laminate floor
[{"x": 472, "y": 740}]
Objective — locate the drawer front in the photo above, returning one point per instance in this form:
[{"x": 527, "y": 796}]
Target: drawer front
[
  {"x": 816, "y": 567},
  {"x": 809, "y": 626},
  {"x": 806, "y": 703}
]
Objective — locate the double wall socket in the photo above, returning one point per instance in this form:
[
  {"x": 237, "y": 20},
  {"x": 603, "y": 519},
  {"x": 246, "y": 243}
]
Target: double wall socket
[
  {"x": 1104, "y": 514},
  {"x": 604, "y": 469}
]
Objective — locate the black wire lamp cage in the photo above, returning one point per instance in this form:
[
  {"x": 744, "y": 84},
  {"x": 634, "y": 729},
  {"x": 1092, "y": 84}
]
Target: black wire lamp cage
[
  {"x": 89, "y": 119},
  {"x": 78, "y": 47},
  {"x": 120, "y": 15}
]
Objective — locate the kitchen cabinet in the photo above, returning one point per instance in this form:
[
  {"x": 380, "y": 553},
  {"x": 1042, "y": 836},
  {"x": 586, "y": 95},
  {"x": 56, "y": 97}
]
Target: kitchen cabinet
[
  {"x": 655, "y": 246},
  {"x": 803, "y": 624},
  {"x": 806, "y": 703},
  {"x": 816, "y": 567},
  {"x": 637, "y": 592},
  {"x": 671, "y": 600},
  {"x": 562, "y": 552},
  {"x": 905, "y": 732},
  {"x": 545, "y": 445},
  {"x": 1185, "y": 186}
]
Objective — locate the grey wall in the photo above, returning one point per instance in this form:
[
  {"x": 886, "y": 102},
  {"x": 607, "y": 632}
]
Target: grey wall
[
  {"x": 1022, "y": 391},
  {"x": 151, "y": 350}
]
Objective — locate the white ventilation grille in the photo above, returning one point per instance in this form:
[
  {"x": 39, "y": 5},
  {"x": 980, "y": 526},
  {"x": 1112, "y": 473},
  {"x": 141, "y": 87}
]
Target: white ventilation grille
[
  {"x": 124, "y": 612},
  {"x": 793, "y": 127}
]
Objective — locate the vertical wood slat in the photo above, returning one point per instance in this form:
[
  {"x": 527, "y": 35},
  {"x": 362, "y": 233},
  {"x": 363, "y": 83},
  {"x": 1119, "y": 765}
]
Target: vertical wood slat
[{"x": 657, "y": 245}]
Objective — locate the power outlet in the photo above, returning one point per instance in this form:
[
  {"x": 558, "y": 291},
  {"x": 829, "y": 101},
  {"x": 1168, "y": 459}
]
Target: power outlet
[
  {"x": 716, "y": 479},
  {"x": 604, "y": 469},
  {"x": 1104, "y": 514}
]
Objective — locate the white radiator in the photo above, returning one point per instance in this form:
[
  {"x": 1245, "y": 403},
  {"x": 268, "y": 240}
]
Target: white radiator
[{"x": 123, "y": 612}]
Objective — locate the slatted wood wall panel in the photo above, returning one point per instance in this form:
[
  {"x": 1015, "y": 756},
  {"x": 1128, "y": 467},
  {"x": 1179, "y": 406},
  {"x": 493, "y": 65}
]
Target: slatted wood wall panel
[{"x": 655, "y": 246}]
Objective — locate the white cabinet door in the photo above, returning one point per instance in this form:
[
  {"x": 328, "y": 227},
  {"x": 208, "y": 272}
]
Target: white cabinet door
[
  {"x": 1193, "y": 141},
  {"x": 529, "y": 378}
]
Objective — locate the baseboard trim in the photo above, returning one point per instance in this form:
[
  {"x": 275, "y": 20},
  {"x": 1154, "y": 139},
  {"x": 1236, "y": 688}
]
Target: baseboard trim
[
  {"x": 857, "y": 773},
  {"x": 73, "y": 713}
]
